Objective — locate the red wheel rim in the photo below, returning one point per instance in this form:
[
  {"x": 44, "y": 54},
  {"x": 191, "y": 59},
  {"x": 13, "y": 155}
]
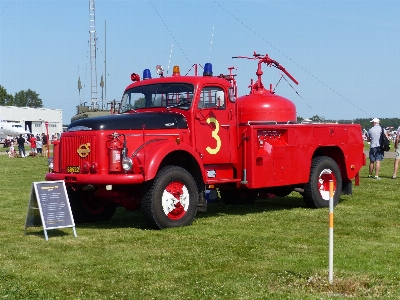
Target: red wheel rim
[
  {"x": 175, "y": 200},
  {"x": 323, "y": 183}
]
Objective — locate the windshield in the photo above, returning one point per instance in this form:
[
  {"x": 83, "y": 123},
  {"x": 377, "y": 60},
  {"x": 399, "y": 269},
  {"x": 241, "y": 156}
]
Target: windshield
[{"x": 158, "y": 95}]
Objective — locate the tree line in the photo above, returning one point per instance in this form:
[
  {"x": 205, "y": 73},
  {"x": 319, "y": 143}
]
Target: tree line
[{"x": 22, "y": 98}]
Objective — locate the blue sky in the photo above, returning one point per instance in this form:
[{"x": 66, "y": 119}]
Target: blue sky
[{"x": 345, "y": 54}]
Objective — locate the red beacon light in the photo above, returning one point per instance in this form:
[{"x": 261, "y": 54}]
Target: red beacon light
[
  {"x": 135, "y": 77},
  {"x": 176, "y": 71}
]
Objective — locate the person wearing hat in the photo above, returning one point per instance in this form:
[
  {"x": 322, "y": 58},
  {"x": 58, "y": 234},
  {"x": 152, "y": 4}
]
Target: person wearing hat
[{"x": 376, "y": 154}]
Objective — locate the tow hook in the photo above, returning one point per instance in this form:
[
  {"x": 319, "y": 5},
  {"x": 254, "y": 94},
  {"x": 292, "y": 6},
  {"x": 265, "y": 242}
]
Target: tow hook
[{"x": 89, "y": 187}]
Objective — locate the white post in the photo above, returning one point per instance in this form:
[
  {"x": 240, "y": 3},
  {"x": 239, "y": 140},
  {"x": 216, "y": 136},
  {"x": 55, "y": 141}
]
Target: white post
[{"x": 330, "y": 232}]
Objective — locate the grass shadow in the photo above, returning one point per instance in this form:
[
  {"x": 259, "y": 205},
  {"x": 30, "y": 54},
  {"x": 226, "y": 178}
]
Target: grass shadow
[{"x": 50, "y": 232}]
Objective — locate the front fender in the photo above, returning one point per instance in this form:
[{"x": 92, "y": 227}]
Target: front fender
[{"x": 154, "y": 153}]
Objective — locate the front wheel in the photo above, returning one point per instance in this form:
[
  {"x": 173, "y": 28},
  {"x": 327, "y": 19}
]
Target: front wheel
[
  {"x": 171, "y": 199},
  {"x": 316, "y": 191}
]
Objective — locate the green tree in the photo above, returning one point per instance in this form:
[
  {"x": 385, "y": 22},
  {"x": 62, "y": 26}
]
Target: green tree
[
  {"x": 140, "y": 103},
  {"x": 33, "y": 99},
  {"x": 317, "y": 118},
  {"x": 27, "y": 98},
  {"x": 5, "y": 99}
]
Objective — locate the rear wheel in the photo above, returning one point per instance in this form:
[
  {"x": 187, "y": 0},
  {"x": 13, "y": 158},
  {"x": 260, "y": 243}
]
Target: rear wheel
[
  {"x": 238, "y": 196},
  {"x": 316, "y": 191},
  {"x": 87, "y": 208},
  {"x": 171, "y": 199}
]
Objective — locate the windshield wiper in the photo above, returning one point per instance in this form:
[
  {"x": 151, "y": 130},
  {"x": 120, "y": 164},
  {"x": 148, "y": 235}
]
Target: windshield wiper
[{"x": 182, "y": 102}]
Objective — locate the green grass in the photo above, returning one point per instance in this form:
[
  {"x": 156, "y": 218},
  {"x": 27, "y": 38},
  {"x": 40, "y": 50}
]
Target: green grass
[{"x": 275, "y": 249}]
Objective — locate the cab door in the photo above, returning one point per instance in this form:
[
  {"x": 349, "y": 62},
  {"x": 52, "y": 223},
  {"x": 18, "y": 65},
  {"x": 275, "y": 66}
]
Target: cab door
[{"x": 213, "y": 126}]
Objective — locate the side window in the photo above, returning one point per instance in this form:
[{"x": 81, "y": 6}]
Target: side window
[{"x": 212, "y": 97}]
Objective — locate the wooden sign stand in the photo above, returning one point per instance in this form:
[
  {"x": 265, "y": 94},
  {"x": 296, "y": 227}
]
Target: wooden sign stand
[{"x": 49, "y": 207}]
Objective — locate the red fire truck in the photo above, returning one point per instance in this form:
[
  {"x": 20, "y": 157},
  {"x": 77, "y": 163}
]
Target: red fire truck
[{"x": 177, "y": 136}]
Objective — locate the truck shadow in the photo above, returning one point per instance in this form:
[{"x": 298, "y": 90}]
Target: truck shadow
[
  {"x": 260, "y": 205},
  {"x": 134, "y": 219}
]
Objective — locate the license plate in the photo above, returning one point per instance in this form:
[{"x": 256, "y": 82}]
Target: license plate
[{"x": 73, "y": 169}]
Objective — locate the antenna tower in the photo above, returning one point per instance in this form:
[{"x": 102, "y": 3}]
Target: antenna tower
[{"x": 92, "y": 42}]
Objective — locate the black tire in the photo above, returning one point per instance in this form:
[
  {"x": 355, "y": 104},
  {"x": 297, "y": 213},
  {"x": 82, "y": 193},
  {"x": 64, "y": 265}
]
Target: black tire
[
  {"x": 86, "y": 208},
  {"x": 160, "y": 204},
  {"x": 316, "y": 191},
  {"x": 238, "y": 196}
]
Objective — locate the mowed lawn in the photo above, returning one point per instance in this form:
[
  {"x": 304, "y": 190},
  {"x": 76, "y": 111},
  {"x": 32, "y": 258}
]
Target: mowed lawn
[{"x": 274, "y": 249}]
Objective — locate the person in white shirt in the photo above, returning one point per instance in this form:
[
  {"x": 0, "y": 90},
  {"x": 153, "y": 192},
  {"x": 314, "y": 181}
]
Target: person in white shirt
[
  {"x": 376, "y": 154},
  {"x": 39, "y": 145}
]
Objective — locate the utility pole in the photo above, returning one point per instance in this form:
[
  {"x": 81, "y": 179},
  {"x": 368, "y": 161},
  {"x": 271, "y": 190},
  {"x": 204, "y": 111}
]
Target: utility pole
[
  {"x": 102, "y": 92},
  {"x": 92, "y": 42},
  {"x": 105, "y": 63}
]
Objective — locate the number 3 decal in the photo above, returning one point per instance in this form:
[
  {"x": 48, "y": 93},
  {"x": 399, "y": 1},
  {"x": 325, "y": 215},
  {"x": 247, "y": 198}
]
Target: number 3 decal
[{"x": 215, "y": 136}]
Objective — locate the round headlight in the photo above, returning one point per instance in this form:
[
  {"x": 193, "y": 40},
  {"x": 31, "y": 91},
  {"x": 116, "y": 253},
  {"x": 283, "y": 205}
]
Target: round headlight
[{"x": 127, "y": 164}]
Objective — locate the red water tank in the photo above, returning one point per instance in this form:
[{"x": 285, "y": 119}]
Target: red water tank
[{"x": 266, "y": 107}]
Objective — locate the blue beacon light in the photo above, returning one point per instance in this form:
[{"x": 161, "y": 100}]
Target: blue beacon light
[
  {"x": 207, "y": 70},
  {"x": 146, "y": 74}
]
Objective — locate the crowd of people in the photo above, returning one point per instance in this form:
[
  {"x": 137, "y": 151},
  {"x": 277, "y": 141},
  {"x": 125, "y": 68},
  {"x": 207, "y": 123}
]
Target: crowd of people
[{"x": 37, "y": 145}]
